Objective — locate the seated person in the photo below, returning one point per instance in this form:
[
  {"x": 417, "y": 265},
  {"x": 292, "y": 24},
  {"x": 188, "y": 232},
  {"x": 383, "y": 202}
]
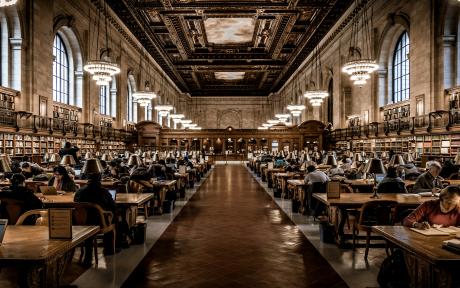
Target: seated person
[
  {"x": 448, "y": 168},
  {"x": 391, "y": 183},
  {"x": 425, "y": 182},
  {"x": 158, "y": 171},
  {"x": 335, "y": 171},
  {"x": 315, "y": 176},
  {"x": 411, "y": 170},
  {"x": 18, "y": 191},
  {"x": 93, "y": 192},
  {"x": 61, "y": 180},
  {"x": 346, "y": 164},
  {"x": 445, "y": 211},
  {"x": 30, "y": 170}
]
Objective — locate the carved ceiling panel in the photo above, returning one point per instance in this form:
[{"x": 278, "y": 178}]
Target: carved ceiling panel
[{"x": 229, "y": 47}]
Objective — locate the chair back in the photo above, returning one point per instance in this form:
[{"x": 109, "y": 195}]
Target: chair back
[
  {"x": 454, "y": 176},
  {"x": 409, "y": 188},
  {"x": 11, "y": 209},
  {"x": 41, "y": 217},
  {"x": 135, "y": 187},
  {"x": 84, "y": 213},
  {"x": 377, "y": 212},
  {"x": 391, "y": 187},
  {"x": 345, "y": 188}
]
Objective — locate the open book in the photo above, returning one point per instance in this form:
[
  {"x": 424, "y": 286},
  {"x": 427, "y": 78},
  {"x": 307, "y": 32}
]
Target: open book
[{"x": 438, "y": 231}]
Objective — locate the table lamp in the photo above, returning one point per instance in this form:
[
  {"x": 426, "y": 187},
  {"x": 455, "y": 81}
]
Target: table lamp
[
  {"x": 45, "y": 158},
  {"x": 54, "y": 158},
  {"x": 106, "y": 157},
  {"x": 358, "y": 157},
  {"x": 397, "y": 160},
  {"x": 92, "y": 166},
  {"x": 331, "y": 161},
  {"x": 68, "y": 160},
  {"x": 97, "y": 154},
  {"x": 88, "y": 156},
  {"x": 4, "y": 167},
  {"x": 127, "y": 154},
  {"x": 384, "y": 155},
  {"x": 408, "y": 158},
  {"x": 375, "y": 167},
  {"x": 134, "y": 160}
]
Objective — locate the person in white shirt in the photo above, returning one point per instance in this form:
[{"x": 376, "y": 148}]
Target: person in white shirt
[
  {"x": 335, "y": 171},
  {"x": 315, "y": 176}
]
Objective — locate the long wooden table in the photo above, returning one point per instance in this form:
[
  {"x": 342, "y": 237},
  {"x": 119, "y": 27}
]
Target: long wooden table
[
  {"x": 356, "y": 200},
  {"x": 298, "y": 187},
  {"x": 41, "y": 262},
  {"x": 429, "y": 265}
]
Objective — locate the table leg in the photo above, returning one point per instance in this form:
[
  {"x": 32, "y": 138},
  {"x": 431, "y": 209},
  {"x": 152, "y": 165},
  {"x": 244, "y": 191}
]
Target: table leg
[{"x": 339, "y": 228}]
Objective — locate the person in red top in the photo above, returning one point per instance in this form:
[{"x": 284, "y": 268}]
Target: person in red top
[{"x": 445, "y": 211}]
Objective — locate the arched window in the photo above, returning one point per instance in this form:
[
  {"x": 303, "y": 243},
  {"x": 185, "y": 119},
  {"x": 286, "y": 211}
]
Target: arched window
[
  {"x": 401, "y": 69},
  {"x": 60, "y": 71},
  {"x": 104, "y": 100},
  {"x": 130, "y": 103}
]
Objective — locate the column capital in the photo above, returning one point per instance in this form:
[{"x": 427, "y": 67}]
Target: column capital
[
  {"x": 16, "y": 43},
  {"x": 449, "y": 40}
]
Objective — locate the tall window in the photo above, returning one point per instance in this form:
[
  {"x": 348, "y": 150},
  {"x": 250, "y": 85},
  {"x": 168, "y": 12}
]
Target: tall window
[
  {"x": 148, "y": 112},
  {"x": 330, "y": 102},
  {"x": 401, "y": 69},
  {"x": 130, "y": 103},
  {"x": 60, "y": 71},
  {"x": 104, "y": 100}
]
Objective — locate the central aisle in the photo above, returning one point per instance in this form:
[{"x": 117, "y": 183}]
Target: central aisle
[{"x": 231, "y": 233}]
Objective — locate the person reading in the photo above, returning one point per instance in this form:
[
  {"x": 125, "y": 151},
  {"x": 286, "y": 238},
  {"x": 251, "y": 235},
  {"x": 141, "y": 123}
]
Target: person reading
[{"x": 445, "y": 211}]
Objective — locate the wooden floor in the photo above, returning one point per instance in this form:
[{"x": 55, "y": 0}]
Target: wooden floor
[{"x": 231, "y": 233}]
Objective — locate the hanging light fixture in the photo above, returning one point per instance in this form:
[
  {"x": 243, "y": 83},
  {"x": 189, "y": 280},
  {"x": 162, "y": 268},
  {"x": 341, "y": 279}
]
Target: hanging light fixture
[
  {"x": 102, "y": 70},
  {"x": 273, "y": 122},
  {"x": 316, "y": 95},
  {"x": 295, "y": 109},
  {"x": 360, "y": 65},
  {"x": 163, "y": 110},
  {"x": 5, "y": 3},
  {"x": 177, "y": 117},
  {"x": 144, "y": 97},
  {"x": 186, "y": 122}
]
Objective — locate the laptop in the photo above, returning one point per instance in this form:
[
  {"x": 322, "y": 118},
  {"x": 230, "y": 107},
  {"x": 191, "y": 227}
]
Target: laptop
[
  {"x": 113, "y": 193},
  {"x": 48, "y": 190},
  {"x": 77, "y": 173},
  {"x": 3, "y": 225},
  {"x": 379, "y": 178}
]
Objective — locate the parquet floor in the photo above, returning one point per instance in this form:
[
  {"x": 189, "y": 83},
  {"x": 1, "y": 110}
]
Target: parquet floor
[{"x": 231, "y": 234}]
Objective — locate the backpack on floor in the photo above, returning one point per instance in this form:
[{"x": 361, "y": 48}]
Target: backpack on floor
[{"x": 393, "y": 272}]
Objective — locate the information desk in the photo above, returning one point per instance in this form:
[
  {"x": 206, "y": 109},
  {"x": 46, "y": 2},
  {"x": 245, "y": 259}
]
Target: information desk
[
  {"x": 348, "y": 201},
  {"x": 40, "y": 262},
  {"x": 429, "y": 265}
]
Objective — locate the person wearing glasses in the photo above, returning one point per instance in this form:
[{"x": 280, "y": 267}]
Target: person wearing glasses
[{"x": 61, "y": 180}]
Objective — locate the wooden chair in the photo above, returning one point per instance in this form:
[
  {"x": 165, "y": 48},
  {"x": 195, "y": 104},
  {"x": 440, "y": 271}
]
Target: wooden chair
[
  {"x": 140, "y": 187},
  {"x": 373, "y": 213},
  {"x": 410, "y": 188},
  {"x": 454, "y": 176},
  {"x": 92, "y": 214},
  {"x": 11, "y": 209},
  {"x": 41, "y": 220}
]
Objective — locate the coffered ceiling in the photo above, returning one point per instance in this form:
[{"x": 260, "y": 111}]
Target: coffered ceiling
[{"x": 229, "y": 47}]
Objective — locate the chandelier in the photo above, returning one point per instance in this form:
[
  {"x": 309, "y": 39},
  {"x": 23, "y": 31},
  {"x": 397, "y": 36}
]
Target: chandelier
[
  {"x": 273, "y": 122},
  {"x": 262, "y": 128},
  {"x": 195, "y": 128},
  {"x": 163, "y": 110},
  {"x": 4, "y": 3},
  {"x": 102, "y": 70},
  {"x": 144, "y": 98},
  {"x": 360, "y": 65},
  {"x": 360, "y": 70},
  {"x": 177, "y": 117},
  {"x": 315, "y": 95},
  {"x": 296, "y": 110}
]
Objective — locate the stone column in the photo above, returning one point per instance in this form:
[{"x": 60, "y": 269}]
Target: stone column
[{"x": 382, "y": 86}]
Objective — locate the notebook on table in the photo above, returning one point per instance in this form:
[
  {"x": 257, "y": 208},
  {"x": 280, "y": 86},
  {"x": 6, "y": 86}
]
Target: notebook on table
[{"x": 438, "y": 231}]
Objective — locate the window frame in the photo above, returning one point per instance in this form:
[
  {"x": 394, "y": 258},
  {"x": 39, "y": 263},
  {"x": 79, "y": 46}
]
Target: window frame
[
  {"x": 104, "y": 95},
  {"x": 401, "y": 69},
  {"x": 61, "y": 92}
]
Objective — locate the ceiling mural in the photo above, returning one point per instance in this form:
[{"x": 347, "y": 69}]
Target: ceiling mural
[{"x": 229, "y": 47}]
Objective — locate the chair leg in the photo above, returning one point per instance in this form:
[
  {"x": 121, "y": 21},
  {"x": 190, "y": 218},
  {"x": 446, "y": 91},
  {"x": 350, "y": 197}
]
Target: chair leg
[
  {"x": 368, "y": 240},
  {"x": 96, "y": 257},
  {"x": 354, "y": 237},
  {"x": 80, "y": 260}
]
